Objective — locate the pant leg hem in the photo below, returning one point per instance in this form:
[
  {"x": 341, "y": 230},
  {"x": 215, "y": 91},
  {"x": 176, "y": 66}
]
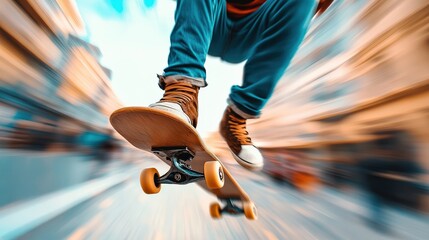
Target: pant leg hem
[
  {"x": 244, "y": 115},
  {"x": 199, "y": 82}
]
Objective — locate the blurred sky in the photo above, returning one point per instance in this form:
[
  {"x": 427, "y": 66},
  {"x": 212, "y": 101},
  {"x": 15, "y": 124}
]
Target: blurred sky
[{"x": 133, "y": 36}]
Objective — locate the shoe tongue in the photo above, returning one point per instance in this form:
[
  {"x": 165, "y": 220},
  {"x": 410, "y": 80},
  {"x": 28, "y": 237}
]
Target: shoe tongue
[{"x": 237, "y": 118}]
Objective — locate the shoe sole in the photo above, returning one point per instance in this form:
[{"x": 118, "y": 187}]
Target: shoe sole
[{"x": 246, "y": 164}]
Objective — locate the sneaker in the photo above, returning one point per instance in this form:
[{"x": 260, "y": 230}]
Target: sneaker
[
  {"x": 181, "y": 99},
  {"x": 233, "y": 130}
]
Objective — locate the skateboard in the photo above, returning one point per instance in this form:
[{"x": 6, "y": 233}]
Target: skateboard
[{"x": 178, "y": 144}]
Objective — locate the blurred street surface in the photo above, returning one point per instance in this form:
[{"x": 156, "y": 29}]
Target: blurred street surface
[
  {"x": 28, "y": 174},
  {"x": 182, "y": 212}
]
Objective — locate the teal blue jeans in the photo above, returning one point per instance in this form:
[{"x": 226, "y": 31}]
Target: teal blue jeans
[{"x": 268, "y": 39}]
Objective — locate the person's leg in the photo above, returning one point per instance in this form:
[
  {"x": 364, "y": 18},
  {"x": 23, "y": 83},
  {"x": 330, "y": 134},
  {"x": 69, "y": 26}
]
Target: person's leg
[
  {"x": 276, "y": 31},
  {"x": 268, "y": 38},
  {"x": 185, "y": 74},
  {"x": 190, "y": 39}
]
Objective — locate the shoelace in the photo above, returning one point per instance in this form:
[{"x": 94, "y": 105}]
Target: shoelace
[
  {"x": 181, "y": 94},
  {"x": 186, "y": 96},
  {"x": 238, "y": 129}
]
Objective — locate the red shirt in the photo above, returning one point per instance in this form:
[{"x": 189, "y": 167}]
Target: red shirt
[{"x": 240, "y": 8}]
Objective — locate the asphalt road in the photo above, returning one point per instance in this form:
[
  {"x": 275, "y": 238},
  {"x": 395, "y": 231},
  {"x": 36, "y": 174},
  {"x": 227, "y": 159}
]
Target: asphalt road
[{"x": 182, "y": 212}]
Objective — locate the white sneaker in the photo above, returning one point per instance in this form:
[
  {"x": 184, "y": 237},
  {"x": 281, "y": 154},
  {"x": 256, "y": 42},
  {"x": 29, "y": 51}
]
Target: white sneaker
[{"x": 233, "y": 130}]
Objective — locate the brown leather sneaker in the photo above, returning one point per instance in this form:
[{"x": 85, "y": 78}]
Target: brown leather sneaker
[
  {"x": 181, "y": 99},
  {"x": 233, "y": 130}
]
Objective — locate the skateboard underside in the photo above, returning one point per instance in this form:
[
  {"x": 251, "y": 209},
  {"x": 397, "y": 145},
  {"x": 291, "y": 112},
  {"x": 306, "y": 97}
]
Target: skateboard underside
[{"x": 179, "y": 145}]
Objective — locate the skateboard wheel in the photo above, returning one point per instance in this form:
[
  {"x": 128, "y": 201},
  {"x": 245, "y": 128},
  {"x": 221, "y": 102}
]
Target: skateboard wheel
[
  {"x": 250, "y": 210},
  {"x": 149, "y": 181},
  {"x": 215, "y": 211},
  {"x": 214, "y": 175}
]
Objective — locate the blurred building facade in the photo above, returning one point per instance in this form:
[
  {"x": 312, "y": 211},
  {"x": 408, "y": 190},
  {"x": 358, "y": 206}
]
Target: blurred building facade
[
  {"x": 54, "y": 92},
  {"x": 360, "y": 75}
]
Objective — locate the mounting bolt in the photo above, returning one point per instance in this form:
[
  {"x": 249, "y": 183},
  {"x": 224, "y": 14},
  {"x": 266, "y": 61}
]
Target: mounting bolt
[{"x": 177, "y": 176}]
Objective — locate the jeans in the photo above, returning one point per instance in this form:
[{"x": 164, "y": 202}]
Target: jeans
[{"x": 267, "y": 38}]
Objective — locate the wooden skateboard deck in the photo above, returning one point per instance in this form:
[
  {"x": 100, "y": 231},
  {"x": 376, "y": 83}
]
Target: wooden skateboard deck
[{"x": 159, "y": 132}]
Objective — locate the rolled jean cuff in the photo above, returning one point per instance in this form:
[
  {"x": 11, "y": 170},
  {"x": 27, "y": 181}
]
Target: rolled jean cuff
[
  {"x": 242, "y": 114},
  {"x": 199, "y": 82}
]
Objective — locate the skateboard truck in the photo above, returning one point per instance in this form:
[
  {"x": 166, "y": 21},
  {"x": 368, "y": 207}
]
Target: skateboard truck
[
  {"x": 248, "y": 209},
  {"x": 180, "y": 172},
  {"x": 231, "y": 208}
]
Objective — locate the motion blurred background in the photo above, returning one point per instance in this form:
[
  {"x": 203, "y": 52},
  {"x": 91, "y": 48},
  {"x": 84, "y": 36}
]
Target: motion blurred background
[{"x": 345, "y": 136}]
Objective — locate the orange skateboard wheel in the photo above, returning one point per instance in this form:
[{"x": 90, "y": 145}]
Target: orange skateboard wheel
[
  {"x": 148, "y": 181},
  {"x": 215, "y": 211},
  {"x": 250, "y": 210},
  {"x": 213, "y": 174}
]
